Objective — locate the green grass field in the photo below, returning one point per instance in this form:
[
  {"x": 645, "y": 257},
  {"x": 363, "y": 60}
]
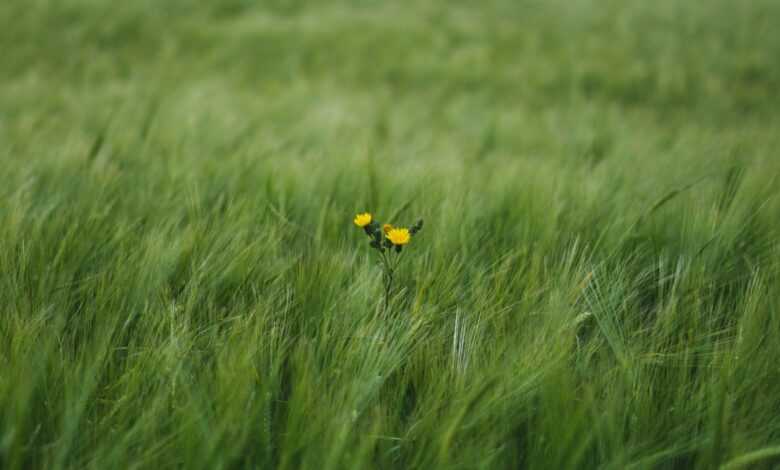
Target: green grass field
[{"x": 596, "y": 284}]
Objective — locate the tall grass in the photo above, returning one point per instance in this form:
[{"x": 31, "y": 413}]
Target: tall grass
[{"x": 596, "y": 285}]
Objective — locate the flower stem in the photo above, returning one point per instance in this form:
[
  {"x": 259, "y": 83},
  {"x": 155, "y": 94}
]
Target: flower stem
[{"x": 388, "y": 287}]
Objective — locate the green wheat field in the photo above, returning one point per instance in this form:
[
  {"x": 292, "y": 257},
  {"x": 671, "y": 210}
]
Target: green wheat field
[{"x": 596, "y": 284}]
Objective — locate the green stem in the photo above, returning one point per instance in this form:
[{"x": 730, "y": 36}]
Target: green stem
[
  {"x": 388, "y": 287},
  {"x": 390, "y": 265},
  {"x": 387, "y": 278}
]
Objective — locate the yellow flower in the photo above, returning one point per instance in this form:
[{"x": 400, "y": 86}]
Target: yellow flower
[
  {"x": 361, "y": 220},
  {"x": 386, "y": 228},
  {"x": 399, "y": 236}
]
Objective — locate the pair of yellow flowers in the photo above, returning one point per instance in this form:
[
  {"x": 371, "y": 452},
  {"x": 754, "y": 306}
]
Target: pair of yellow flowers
[{"x": 397, "y": 236}]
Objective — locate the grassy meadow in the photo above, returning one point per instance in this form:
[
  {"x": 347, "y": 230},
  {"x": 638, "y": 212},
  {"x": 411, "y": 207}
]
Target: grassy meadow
[{"x": 596, "y": 284}]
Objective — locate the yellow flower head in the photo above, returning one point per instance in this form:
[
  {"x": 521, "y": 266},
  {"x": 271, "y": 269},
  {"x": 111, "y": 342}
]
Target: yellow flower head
[
  {"x": 386, "y": 228},
  {"x": 399, "y": 236},
  {"x": 361, "y": 220}
]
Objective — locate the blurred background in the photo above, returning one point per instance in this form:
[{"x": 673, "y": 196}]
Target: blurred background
[{"x": 563, "y": 79}]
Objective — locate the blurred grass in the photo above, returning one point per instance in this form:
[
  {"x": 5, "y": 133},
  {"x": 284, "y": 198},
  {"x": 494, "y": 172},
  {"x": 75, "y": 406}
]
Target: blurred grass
[{"x": 595, "y": 286}]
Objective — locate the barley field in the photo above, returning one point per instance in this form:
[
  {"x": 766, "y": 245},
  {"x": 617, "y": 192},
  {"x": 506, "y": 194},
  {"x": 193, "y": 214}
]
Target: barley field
[{"x": 595, "y": 285}]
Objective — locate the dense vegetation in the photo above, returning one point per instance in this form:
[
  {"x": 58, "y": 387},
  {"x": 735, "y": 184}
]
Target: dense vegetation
[{"x": 596, "y": 286}]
